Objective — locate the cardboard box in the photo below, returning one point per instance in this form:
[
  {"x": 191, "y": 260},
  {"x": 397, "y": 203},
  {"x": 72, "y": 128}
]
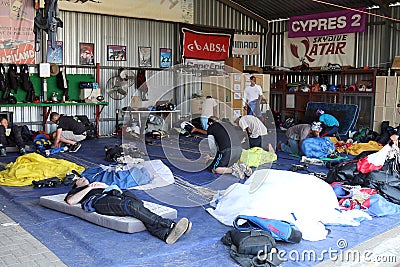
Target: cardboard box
[
  {"x": 396, "y": 64},
  {"x": 389, "y": 114},
  {"x": 390, "y": 100},
  {"x": 196, "y": 105},
  {"x": 235, "y": 62},
  {"x": 255, "y": 68},
  {"x": 391, "y": 84},
  {"x": 379, "y": 113}
]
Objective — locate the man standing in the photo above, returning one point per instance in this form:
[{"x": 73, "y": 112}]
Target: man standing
[
  {"x": 69, "y": 131},
  {"x": 252, "y": 97},
  {"x": 110, "y": 200},
  {"x": 208, "y": 109}
]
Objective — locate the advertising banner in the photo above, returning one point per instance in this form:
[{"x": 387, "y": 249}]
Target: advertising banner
[
  {"x": 320, "y": 50},
  {"x": 327, "y": 23},
  {"x": 17, "y": 40},
  {"x": 246, "y": 44},
  {"x": 203, "y": 45}
]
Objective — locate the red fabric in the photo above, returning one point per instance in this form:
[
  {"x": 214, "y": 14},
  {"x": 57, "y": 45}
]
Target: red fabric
[
  {"x": 364, "y": 166},
  {"x": 209, "y": 46}
]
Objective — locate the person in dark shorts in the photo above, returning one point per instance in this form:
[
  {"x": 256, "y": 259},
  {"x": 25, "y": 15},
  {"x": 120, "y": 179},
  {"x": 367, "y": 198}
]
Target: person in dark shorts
[{"x": 69, "y": 131}]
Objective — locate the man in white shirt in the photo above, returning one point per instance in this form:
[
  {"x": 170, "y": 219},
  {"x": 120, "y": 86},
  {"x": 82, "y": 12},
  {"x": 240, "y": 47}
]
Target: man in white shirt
[
  {"x": 256, "y": 130},
  {"x": 208, "y": 109},
  {"x": 253, "y": 96}
]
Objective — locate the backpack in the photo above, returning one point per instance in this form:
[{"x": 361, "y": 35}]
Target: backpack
[
  {"x": 279, "y": 230},
  {"x": 90, "y": 127},
  {"x": 252, "y": 248},
  {"x": 317, "y": 147},
  {"x": 113, "y": 153}
]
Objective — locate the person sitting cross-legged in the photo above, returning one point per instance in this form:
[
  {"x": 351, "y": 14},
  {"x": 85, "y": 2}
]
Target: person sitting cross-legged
[
  {"x": 69, "y": 131},
  {"x": 110, "y": 200}
]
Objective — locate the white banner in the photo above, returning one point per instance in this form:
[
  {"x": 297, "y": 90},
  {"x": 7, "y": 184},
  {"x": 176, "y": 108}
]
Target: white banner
[
  {"x": 246, "y": 44},
  {"x": 318, "y": 51},
  {"x": 201, "y": 64}
]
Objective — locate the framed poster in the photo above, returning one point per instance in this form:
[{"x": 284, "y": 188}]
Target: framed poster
[
  {"x": 144, "y": 56},
  {"x": 86, "y": 54},
  {"x": 116, "y": 53},
  {"x": 55, "y": 55},
  {"x": 165, "y": 57}
]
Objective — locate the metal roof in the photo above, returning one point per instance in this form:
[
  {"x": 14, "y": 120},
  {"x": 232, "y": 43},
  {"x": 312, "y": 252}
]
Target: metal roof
[{"x": 267, "y": 10}]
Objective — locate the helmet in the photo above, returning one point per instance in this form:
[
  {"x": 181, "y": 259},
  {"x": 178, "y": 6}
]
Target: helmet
[
  {"x": 333, "y": 88},
  {"x": 305, "y": 88},
  {"x": 323, "y": 87},
  {"x": 320, "y": 111},
  {"x": 316, "y": 126},
  {"x": 362, "y": 88}
]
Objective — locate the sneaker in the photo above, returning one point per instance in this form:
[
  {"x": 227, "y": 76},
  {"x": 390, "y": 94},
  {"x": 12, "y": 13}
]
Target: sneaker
[
  {"x": 237, "y": 171},
  {"x": 246, "y": 169},
  {"x": 75, "y": 147},
  {"x": 22, "y": 151},
  {"x": 188, "y": 228},
  {"x": 3, "y": 152},
  {"x": 179, "y": 229}
]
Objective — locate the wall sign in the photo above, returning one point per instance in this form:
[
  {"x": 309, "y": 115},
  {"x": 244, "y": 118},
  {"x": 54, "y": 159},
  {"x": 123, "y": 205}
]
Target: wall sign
[
  {"x": 327, "y": 23},
  {"x": 246, "y": 44}
]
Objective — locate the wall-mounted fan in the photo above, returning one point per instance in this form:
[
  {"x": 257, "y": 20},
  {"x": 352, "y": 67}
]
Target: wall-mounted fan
[{"x": 117, "y": 86}]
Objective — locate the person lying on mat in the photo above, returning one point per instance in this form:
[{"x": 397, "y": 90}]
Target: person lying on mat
[
  {"x": 110, "y": 200},
  {"x": 69, "y": 131},
  {"x": 296, "y": 134}
]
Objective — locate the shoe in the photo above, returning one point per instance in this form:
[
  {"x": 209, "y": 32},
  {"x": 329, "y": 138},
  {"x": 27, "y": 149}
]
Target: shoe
[
  {"x": 3, "y": 152},
  {"x": 246, "y": 169},
  {"x": 279, "y": 146},
  {"x": 237, "y": 171},
  {"x": 22, "y": 151},
  {"x": 188, "y": 228},
  {"x": 179, "y": 229},
  {"x": 75, "y": 147}
]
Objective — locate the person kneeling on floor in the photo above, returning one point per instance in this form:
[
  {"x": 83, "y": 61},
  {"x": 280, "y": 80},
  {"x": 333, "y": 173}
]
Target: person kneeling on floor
[
  {"x": 296, "y": 134},
  {"x": 69, "y": 131},
  {"x": 111, "y": 200}
]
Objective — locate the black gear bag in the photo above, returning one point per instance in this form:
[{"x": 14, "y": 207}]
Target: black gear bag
[{"x": 252, "y": 248}]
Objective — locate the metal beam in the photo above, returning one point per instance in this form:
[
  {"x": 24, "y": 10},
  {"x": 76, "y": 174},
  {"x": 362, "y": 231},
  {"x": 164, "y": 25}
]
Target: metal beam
[{"x": 246, "y": 12}]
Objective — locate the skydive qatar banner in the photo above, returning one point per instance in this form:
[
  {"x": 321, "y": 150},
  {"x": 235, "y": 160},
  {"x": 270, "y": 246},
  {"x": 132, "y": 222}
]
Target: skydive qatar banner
[
  {"x": 318, "y": 51},
  {"x": 328, "y": 23},
  {"x": 203, "y": 45}
]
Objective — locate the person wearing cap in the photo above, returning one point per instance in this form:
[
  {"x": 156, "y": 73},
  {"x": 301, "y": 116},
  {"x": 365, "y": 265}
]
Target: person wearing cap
[
  {"x": 112, "y": 201},
  {"x": 255, "y": 129},
  {"x": 253, "y": 97},
  {"x": 330, "y": 125},
  {"x": 296, "y": 134}
]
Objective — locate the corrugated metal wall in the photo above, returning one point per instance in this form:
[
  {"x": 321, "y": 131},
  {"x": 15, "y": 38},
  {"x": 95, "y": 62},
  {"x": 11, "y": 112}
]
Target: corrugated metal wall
[{"x": 376, "y": 47}]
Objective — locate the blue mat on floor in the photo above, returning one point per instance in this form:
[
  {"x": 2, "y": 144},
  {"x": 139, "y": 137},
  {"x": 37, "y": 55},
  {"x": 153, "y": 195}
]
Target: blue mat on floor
[{"x": 80, "y": 243}]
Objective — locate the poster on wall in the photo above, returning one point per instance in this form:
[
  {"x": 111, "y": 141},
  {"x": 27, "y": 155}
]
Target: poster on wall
[
  {"x": 116, "y": 53},
  {"x": 55, "y": 55},
  {"x": 245, "y": 44},
  {"x": 17, "y": 40},
  {"x": 318, "y": 51},
  {"x": 165, "y": 10},
  {"x": 165, "y": 57},
  {"x": 144, "y": 56},
  {"x": 86, "y": 54}
]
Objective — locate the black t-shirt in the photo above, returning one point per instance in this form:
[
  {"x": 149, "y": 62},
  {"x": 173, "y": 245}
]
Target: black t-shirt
[
  {"x": 225, "y": 135},
  {"x": 68, "y": 123},
  {"x": 95, "y": 191}
]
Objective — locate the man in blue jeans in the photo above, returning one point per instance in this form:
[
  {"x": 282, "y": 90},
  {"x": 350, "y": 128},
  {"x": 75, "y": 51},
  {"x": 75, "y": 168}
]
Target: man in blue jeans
[
  {"x": 101, "y": 198},
  {"x": 296, "y": 134},
  {"x": 253, "y": 96}
]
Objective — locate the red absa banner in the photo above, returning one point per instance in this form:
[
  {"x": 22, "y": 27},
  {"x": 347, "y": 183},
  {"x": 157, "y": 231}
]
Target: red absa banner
[{"x": 202, "y": 45}]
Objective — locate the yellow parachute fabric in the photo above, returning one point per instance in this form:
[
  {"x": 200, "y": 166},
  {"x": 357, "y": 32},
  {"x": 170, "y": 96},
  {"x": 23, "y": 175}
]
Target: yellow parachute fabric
[
  {"x": 356, "y": 149},
  {"x": 257, "y": 156},
  {"x": 33, "y": 166}
]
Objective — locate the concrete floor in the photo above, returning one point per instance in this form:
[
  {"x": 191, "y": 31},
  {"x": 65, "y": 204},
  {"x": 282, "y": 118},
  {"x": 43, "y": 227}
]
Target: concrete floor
[{"x": 19, "y": 248}]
